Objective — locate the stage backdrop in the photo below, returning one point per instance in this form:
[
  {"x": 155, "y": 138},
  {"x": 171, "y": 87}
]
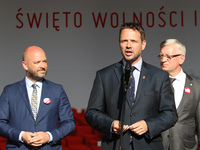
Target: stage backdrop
[{"x": 81, "y": 36}]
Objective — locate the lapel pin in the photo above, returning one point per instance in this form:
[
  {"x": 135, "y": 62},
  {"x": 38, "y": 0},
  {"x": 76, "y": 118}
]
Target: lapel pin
[
  {"x": 187, "y": 90},
  {"x": 47, "y": 101},
  {"x": 143, "y": 77}
]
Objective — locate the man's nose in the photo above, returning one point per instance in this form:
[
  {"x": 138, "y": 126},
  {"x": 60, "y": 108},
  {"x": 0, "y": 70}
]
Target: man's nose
[
  {"x": 42, "y": 64},
  {"x": 128, "y": 44},
  {"x": 163, "y": 59}
]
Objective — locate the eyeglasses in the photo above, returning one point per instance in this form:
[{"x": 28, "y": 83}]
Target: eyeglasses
[{"x": 169, "y": 57}]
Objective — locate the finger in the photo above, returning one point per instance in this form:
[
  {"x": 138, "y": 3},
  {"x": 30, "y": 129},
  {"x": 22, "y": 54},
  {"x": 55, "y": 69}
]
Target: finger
[
  {"x": 35, "y": 139},
  {"x": 36, "y": 145},
  {"x": 139, "y": 131},
  {"x": 135, "y": 126},
  {"x": 126, "y": 127}
]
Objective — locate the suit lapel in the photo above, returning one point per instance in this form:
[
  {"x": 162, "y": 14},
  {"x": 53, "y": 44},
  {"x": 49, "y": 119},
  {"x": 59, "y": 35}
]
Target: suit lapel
[
  {"x": 43, "y": 94},
  {"x": 186, "y": 96},
  {"x": 23, "y": 92},
  {"x": 119, "y": 71}
]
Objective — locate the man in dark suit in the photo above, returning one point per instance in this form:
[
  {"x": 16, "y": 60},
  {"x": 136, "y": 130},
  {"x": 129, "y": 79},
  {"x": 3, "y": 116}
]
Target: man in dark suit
[
  {"x": 187, "y": 98},
  {"x": 39, "y": 125},
  {"x": 153, "y": 109}
]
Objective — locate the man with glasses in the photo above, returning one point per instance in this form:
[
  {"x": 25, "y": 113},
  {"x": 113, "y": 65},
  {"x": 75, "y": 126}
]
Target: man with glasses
[{"x": 187, "y": 98}]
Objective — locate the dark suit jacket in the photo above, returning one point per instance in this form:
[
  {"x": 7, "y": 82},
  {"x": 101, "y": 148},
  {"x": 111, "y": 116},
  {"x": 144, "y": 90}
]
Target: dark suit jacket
[
  {"x": 16, "y": 115},
  {"x": 154, "y": 104},
  {"x": 182, "y": 135}
]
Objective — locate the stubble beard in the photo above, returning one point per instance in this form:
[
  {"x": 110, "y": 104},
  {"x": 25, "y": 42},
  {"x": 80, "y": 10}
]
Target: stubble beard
[
  {"x": 36, "y": 76},
  {"x": 132, "y": 60}
]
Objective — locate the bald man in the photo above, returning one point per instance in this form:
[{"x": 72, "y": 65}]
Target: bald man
[{"x": 31, "y": 109}]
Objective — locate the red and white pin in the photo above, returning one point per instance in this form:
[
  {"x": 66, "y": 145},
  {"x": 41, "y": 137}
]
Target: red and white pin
[
  {"x": 187, "y": 90},
  {"x": 47, "y": 101}
]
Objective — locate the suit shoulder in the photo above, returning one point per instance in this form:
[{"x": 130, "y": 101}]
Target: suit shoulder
[
  {"x": 155, "y": 70},
  {"x": 192, "y": 79},
  {"x": 13, "y": 85},
  {"x": 110, "y": 67}
]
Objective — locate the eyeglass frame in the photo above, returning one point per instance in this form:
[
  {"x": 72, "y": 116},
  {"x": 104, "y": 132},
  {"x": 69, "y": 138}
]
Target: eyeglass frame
[{"x": 169, "y": 57}]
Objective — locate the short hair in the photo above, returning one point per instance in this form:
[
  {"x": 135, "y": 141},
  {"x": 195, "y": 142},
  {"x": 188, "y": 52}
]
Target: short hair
[
  {"x": 180, "y": 46},
  {"x": 134, "y": 26}
]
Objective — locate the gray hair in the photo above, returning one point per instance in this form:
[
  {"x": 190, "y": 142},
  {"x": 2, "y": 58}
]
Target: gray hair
[{"x": 180, "y": 46}]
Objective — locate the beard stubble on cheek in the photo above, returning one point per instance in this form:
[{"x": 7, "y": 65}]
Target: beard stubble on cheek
[
  {"x": 43, "y": 73},
  {"x": 36, "y": 75},
  {"x": 133, "y": 58}
]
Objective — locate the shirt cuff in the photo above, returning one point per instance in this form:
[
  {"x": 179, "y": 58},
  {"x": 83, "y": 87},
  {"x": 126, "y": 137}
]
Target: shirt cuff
[
  {"x": 111, "y": 129},
  {"x": 20, "y": 136},
  {"x": 51, "y": 137}
]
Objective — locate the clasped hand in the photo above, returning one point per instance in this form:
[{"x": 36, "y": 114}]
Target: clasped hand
[
  {"x": 138, "y": 128},
  {"x": 36, "y": 138}
]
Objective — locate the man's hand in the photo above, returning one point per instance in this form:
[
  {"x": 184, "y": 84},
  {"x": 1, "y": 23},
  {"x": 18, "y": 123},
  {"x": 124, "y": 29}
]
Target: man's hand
[
  {"x": 36, "y": 139},
  {"x": 27, "y": 137},
  {"x": 139, "y": 127},
  {"x": 116, "y": 126}
]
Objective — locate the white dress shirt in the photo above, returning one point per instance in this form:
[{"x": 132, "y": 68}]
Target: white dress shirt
[{"x": 179, "y": 85}]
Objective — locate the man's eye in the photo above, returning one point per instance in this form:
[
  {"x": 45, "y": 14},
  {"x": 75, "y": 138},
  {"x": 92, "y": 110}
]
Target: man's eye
[{"x": 168, "y": 56}]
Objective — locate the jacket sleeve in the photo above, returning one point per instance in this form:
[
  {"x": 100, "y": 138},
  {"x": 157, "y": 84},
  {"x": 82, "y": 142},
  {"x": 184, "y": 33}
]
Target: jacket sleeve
[
  {"x": 96, "y": 112},
  {"x": 5, "y": 129}
]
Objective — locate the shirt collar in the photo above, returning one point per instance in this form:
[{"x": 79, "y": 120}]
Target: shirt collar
[
  {"x": 180, "y": 76},
  {"x": 29, "y": 83},
  {"x": 138, "y": 65}
]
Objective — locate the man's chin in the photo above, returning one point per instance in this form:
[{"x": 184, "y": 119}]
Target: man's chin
[
  {"x": 164, "y": 68},
  {"x": 40, "y": 77}
]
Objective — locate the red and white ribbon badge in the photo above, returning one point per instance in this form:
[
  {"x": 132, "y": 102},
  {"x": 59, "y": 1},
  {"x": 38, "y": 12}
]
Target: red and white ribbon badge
[
  {"x": 187, "y": 90},
  {"x": 47, "y": 101}
]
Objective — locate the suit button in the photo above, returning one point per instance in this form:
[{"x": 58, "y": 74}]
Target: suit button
[
  {"x": 36, "y": 124},
  {"x": 131, "y": 114}
]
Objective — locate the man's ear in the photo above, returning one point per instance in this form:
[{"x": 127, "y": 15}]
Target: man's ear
[
  {"x": 24, "y": 64},
  {"x": 144, "y": 44},
  {"x": 182, "y": 59}
]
